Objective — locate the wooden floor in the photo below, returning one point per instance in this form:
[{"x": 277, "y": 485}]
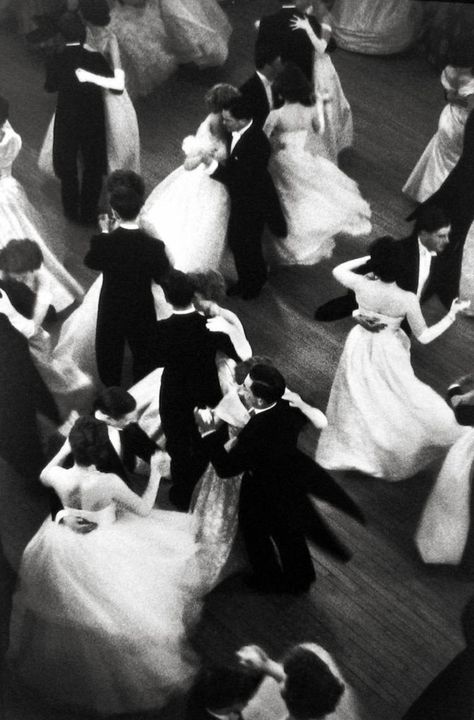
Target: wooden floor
[{"x": 390, "y": 622}]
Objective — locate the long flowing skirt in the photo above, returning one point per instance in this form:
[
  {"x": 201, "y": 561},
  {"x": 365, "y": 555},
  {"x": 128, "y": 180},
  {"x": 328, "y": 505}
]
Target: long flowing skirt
[
  {"x": 319, "y": 202},
  {"x": 375, "y": 27},
  {"x": 382, "y": 420},
  {"x": 19, "y": 219},
  {"x": 199, "y": 32},
  {"x": 100, "y": 620},
  {"x": 440, "y": 155},
  {"x": 444, "y": 526},
  {"x": 189, "y": 212}
]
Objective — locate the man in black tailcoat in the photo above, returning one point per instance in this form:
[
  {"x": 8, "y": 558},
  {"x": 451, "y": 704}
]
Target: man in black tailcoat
[
  {"x": 422, "y": 266},
  {"x": 130, "y": 260},
  {"x": 253, "y": 198},
  {"x": 79, "y": 125},
  {"x": 275, "y": 31},
  {"x": 258, "y": 89}
]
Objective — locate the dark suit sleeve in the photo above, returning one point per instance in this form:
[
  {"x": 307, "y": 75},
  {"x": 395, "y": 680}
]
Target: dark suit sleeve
[
  {"x": 96, "y": 258},
  {"x": 241, "y": 457},
  {"x": 52, "y": 74},
  {"x": 253, "y": 161},
  {"x": 159, "y": 261},
  {"x": 138, "y": 442},
  {"x": 224, "y": 344}
]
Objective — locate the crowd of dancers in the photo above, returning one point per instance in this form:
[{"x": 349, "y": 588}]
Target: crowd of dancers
[{"x": 110, "y": 585}]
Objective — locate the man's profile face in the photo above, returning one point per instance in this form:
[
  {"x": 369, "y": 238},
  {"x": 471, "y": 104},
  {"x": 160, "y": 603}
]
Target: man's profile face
[
  {"x": 231, "y": 123},
  {"x": 437, "y": 240},
  {"x": 246, "y": 394}
]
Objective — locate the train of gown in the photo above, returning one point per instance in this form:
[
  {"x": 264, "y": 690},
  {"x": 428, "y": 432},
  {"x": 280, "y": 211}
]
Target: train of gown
[
  {"x": 375, "y": 27},
  {"x": 100, "y": 620},
  {"x": 319, "y": 201},
  {"x": 144, "y": 47},
  {"x": 444, "y": 525},
  {"x": 19, "y": 219},
  {"x": 444, "y": 149},
  {"x": 198, "y": 32},
  {"x": 338, "y": 132},
  {"x": 382, "y": 420}
]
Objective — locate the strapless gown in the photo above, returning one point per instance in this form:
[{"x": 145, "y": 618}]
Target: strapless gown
[
  {"x": 100, "y": 620},
  {"x": 382, "y": 420}
]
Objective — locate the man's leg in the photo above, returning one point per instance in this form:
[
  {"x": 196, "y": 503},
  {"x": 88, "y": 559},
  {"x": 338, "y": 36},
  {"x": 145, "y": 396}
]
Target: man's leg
[
  {"x": 109, "y": 348},
  {"x": 245, "y": 240}
]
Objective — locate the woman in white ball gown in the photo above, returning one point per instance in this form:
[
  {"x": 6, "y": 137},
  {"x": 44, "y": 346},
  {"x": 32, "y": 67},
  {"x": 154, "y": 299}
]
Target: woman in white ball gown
[
  {"x": 188, "y": 210},
  {"x": 338, "y": 133},
  {"x": 19, "y": 219},
  {"x": 444, "y": 149},
  {"x": 375, "y": 27},
  {"x": 382, "y": 420},
  {"x": 100, "y": 619},
  {"x": 319, "y": 201},
  {"x": 444, "y": 534},
  {"x": 198, "y": 32}
]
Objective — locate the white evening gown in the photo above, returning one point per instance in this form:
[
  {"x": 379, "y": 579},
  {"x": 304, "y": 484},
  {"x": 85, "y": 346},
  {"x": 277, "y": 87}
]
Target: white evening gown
[
  {"x": 19, "y": 219},
  {"x": 189, "y": 211},
  {"x": 382, "y": 420},
  {"x": 375, "y": 27},
  {"x": 144, "y": 46},
  {"x": 444, "y": 525},
  {"x": 444, "y": 149},
  {"x": 338, "y": 131},
  {"x": 100, "y": 620},
  {"x": 319, "y": 201},
  {"x": 198, "y": 31},
  {"x": 121, "y": 124}
]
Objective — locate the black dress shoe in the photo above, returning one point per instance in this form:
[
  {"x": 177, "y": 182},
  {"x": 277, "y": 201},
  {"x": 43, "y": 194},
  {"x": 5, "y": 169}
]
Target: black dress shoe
[{"x": 234, "y": 290}]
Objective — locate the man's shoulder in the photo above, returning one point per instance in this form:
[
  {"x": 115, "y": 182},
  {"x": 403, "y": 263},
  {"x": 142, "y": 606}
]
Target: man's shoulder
[{"x": 253, "y": 82}]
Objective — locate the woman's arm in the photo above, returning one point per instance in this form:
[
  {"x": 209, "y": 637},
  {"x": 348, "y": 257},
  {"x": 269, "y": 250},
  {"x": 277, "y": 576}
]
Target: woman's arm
[
  {"x": 54, "y": 469},
  {"x": 227, "y": 322},
  {"x": 319, "y": 44},
  {"x": 117, "y": 82},
  {"x": 252, "y": 656},
  {"x": 131, "y": 501},
  {"x": 24, "y": 325},
  {"x": 315, "y": 416},
  {"x": 420, "y": 329},
  {"x": 344, "y": 272}
]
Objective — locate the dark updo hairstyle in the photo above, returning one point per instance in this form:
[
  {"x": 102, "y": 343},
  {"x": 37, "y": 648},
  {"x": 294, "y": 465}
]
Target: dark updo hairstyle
[
  {"x": 20, "y": 256},
  {"x": 293, "y": 86},
  {"x": 179, "y": 288},
  {"x": 268, "y": 383},
  {"x": 386, "y": 258},
  {"x": 220, "y": 96},
  {"x": 89, "y": 440},
  {"x": 115, "y": 402},
  {"x": 95, "y": 12},
  {"x": 4, "y": 110},
  {"x": 209, "y": 284},
  {"x": 72, "y": 28},
  {"x": 311, "y": 690}
]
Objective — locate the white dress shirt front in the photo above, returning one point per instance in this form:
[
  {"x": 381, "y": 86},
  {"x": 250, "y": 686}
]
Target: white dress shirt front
[{"x": 424, "y": 267}]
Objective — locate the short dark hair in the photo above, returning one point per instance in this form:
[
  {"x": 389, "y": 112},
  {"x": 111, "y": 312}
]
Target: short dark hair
[
  {"x": 267, "y": 382},
  {"x": 293, "y": 85},
  {"x": 430, "y": 218},
  {"x": 209, "y": 284},
  {"x": 20, "y": 256},
  {"x": 386, "y": 258},
  {"x": 115, "y": 402},
  {"x": 72, "y": 28},
  {"x": 243, "y": 368},
  {"x": 179, "y": 288},
  {"x": 241, "y": 108},
  {"x": 222, "y": 687},
  {"x": 89, "y": 440},
  {"x": 265, "y": 54},
  {"x": 126, "y": 179},
  {"x": 126, "y": 203},
  {"x": 219, "y": 96},
  {"x": 95, "y": 12},
  {"x": 311, "y": 690},
  {"x": 4, "y": 109}
]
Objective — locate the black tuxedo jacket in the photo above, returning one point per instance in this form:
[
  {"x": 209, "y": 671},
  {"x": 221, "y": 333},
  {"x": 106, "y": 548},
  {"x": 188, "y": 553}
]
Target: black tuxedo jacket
[
  {"x": 293, "y": 45},
  {"x": 129, "y": 260},
  {"x": 252, "y": 194},
  {"x": 186, "y": 349},
  {"x": 80, "y": 106},
  {"x": 254, "y": 90}
]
